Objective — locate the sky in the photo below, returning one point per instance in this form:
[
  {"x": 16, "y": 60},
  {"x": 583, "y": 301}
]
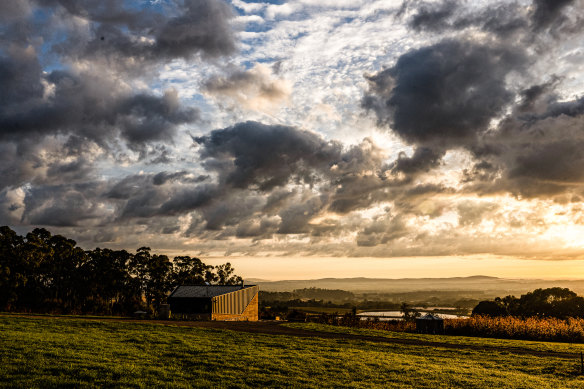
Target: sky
[{"x": 301, "y": 139}]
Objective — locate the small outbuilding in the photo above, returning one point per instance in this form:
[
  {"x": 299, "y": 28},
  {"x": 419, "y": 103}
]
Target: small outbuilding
[
  {"x": 216, "y": 302},
  {"x": 430, "y": 324}
]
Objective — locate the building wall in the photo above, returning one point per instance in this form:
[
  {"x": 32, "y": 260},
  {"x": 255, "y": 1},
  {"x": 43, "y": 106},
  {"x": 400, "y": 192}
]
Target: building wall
[
  {"x": 250, "y": 313},
  {"x": 235, "y": 302}
]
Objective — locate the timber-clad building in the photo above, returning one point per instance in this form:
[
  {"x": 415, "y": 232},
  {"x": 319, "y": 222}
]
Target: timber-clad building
[{"x": 215, "y": 302}]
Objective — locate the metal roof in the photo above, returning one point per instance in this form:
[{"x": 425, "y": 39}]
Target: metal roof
[
  {"x": 202, "y": 291},
  {"x": 429, "y": 316}
]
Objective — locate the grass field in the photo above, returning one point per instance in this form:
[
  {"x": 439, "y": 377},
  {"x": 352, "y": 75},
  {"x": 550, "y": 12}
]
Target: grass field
[{"x": 74, "y": 352}]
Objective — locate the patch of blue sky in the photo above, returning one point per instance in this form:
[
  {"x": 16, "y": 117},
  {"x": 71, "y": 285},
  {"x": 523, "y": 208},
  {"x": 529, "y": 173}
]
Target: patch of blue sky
[
  {"x": 273, "y": 2},
  {"x": 199, "y": 101},
  {"x": 269, "y": 60},
  {"x": 165, "y": 7},
  {"x": 246, "y": 64},
  {"x": 259, "y": 27},
  {"x": 42, "y": 15},
  {"x": 48, "y": 59},
  {"x": 343, "y": 21}
]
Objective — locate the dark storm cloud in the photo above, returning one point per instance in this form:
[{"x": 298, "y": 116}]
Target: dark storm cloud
[
  {"x": 161, "y": 194},
  {"x": 64, "y": 205},
  {"x": 277, "y": 198},
  {"x": 536, "y": 151},
  {"x": 533, "y": 94},
  {"x": 445, "y": 94},
  {"x": 559, "y": 161},
  {"x": 14, "y": 9},
  {"x": 78, "y": 169},
  {"x": 20, "y": 77},
  {"x": 355, "y": 192},
  {"x": 189, "y": 199},
  {"x": 548, "y": 12},
  {"x": 203, "y": 25},
  {"x": 265, "y": 227},
  {"x": 182, "y": 30},
  {"x": 231, "y": 209},
  {"x": 382, "y": 230},
  {"x": 573, "y": 108},
  {"x": 90, "y": 107},
  {"x": 254, "y": 154},
  {"x": 502, "y": 20},
  {"x": 182, "y": 176},
  {"x": 433, "y": 16},
  {"x": 296, "y": 217},
  {"x": 423, "y": 160}
]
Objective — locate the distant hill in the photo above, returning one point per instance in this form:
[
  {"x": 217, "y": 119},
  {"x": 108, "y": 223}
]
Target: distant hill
[{"x": 489, "y": 285}]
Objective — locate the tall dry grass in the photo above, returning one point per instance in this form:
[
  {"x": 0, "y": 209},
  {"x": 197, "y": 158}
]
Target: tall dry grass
[{"x": 532, "y": 328}]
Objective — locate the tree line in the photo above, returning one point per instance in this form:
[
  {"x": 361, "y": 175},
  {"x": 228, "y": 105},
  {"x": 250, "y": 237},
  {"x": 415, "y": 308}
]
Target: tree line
[
  {"x": 41, "y": 272},
  {"x": 335, "y": 295},
  {"x": 560, "y": 303}
]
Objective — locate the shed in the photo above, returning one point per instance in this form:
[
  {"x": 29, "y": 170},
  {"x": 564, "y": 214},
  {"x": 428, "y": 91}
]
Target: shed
[
  {"x": 430, "y": 324},
  {"x": 215, "y": 302}
]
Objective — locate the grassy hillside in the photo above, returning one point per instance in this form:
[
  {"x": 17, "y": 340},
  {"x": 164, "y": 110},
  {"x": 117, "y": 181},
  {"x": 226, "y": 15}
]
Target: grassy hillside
[{"x": 48, "y": 352}]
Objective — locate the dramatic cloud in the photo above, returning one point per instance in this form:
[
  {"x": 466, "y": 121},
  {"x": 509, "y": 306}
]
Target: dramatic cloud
[
  {"x": 207, "y": 126},
  {"x": 262, "y": 156},
  {"x": 126, "y": 37},
  {"x": 548, "y": 11},
  {"x": 445, "y": 94},
  {"x": 504, "y": 20},
  {"x": 64, "y": 77},
  {"x": 433, "y": 16}
]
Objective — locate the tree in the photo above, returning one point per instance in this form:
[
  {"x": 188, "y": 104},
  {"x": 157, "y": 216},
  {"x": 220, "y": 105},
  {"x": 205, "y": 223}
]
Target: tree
[
  {"x": 551, "y": 302},
  {"x": 225, "y": 275},
  {"x": 489, "y": 308},
  {"x": 65, "y": 283},
  {"x": 409, "y": 313},
  {"x": 12, "y": 267},
  {"x": 109, "y": 286},
  {"x": 190, "y": 271},
  {"x": 44, "y": 272},
  {"x": 152, "y": 273},
  {"x": 37, "y": 256}
]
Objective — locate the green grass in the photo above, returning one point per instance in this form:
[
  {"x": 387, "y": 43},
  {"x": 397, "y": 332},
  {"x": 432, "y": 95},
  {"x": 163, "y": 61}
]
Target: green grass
[
  {"x": 562, "y": 347},
  {"x": 72, "y": 352}
]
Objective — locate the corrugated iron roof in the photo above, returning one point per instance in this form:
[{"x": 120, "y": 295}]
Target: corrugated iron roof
[
  {"x": 205, "y": 290},
  {"x": 429, "y": 316}
]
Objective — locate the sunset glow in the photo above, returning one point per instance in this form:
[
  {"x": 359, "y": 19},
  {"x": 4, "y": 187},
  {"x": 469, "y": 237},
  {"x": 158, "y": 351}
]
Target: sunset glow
[{"x": 301, "y": 139}]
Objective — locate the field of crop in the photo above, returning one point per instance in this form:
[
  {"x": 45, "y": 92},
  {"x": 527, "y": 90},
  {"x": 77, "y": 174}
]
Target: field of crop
[
  {"x": 547, "y": 329},
  {"x": 76, "y": 352},
  {"x": 533, "y": 328}
]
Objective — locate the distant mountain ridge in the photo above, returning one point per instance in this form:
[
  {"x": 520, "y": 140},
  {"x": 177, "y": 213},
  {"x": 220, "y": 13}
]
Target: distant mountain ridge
[{"x": 495, "y": 285}]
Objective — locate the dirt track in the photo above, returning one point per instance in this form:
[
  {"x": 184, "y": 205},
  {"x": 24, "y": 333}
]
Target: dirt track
[{"x": 275, "y": 328}]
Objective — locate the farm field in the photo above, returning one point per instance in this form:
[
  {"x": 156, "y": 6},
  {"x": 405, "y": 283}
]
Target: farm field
[
  {"x": 78, "y": 352},
  {"x": 326, "y": 310}
]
